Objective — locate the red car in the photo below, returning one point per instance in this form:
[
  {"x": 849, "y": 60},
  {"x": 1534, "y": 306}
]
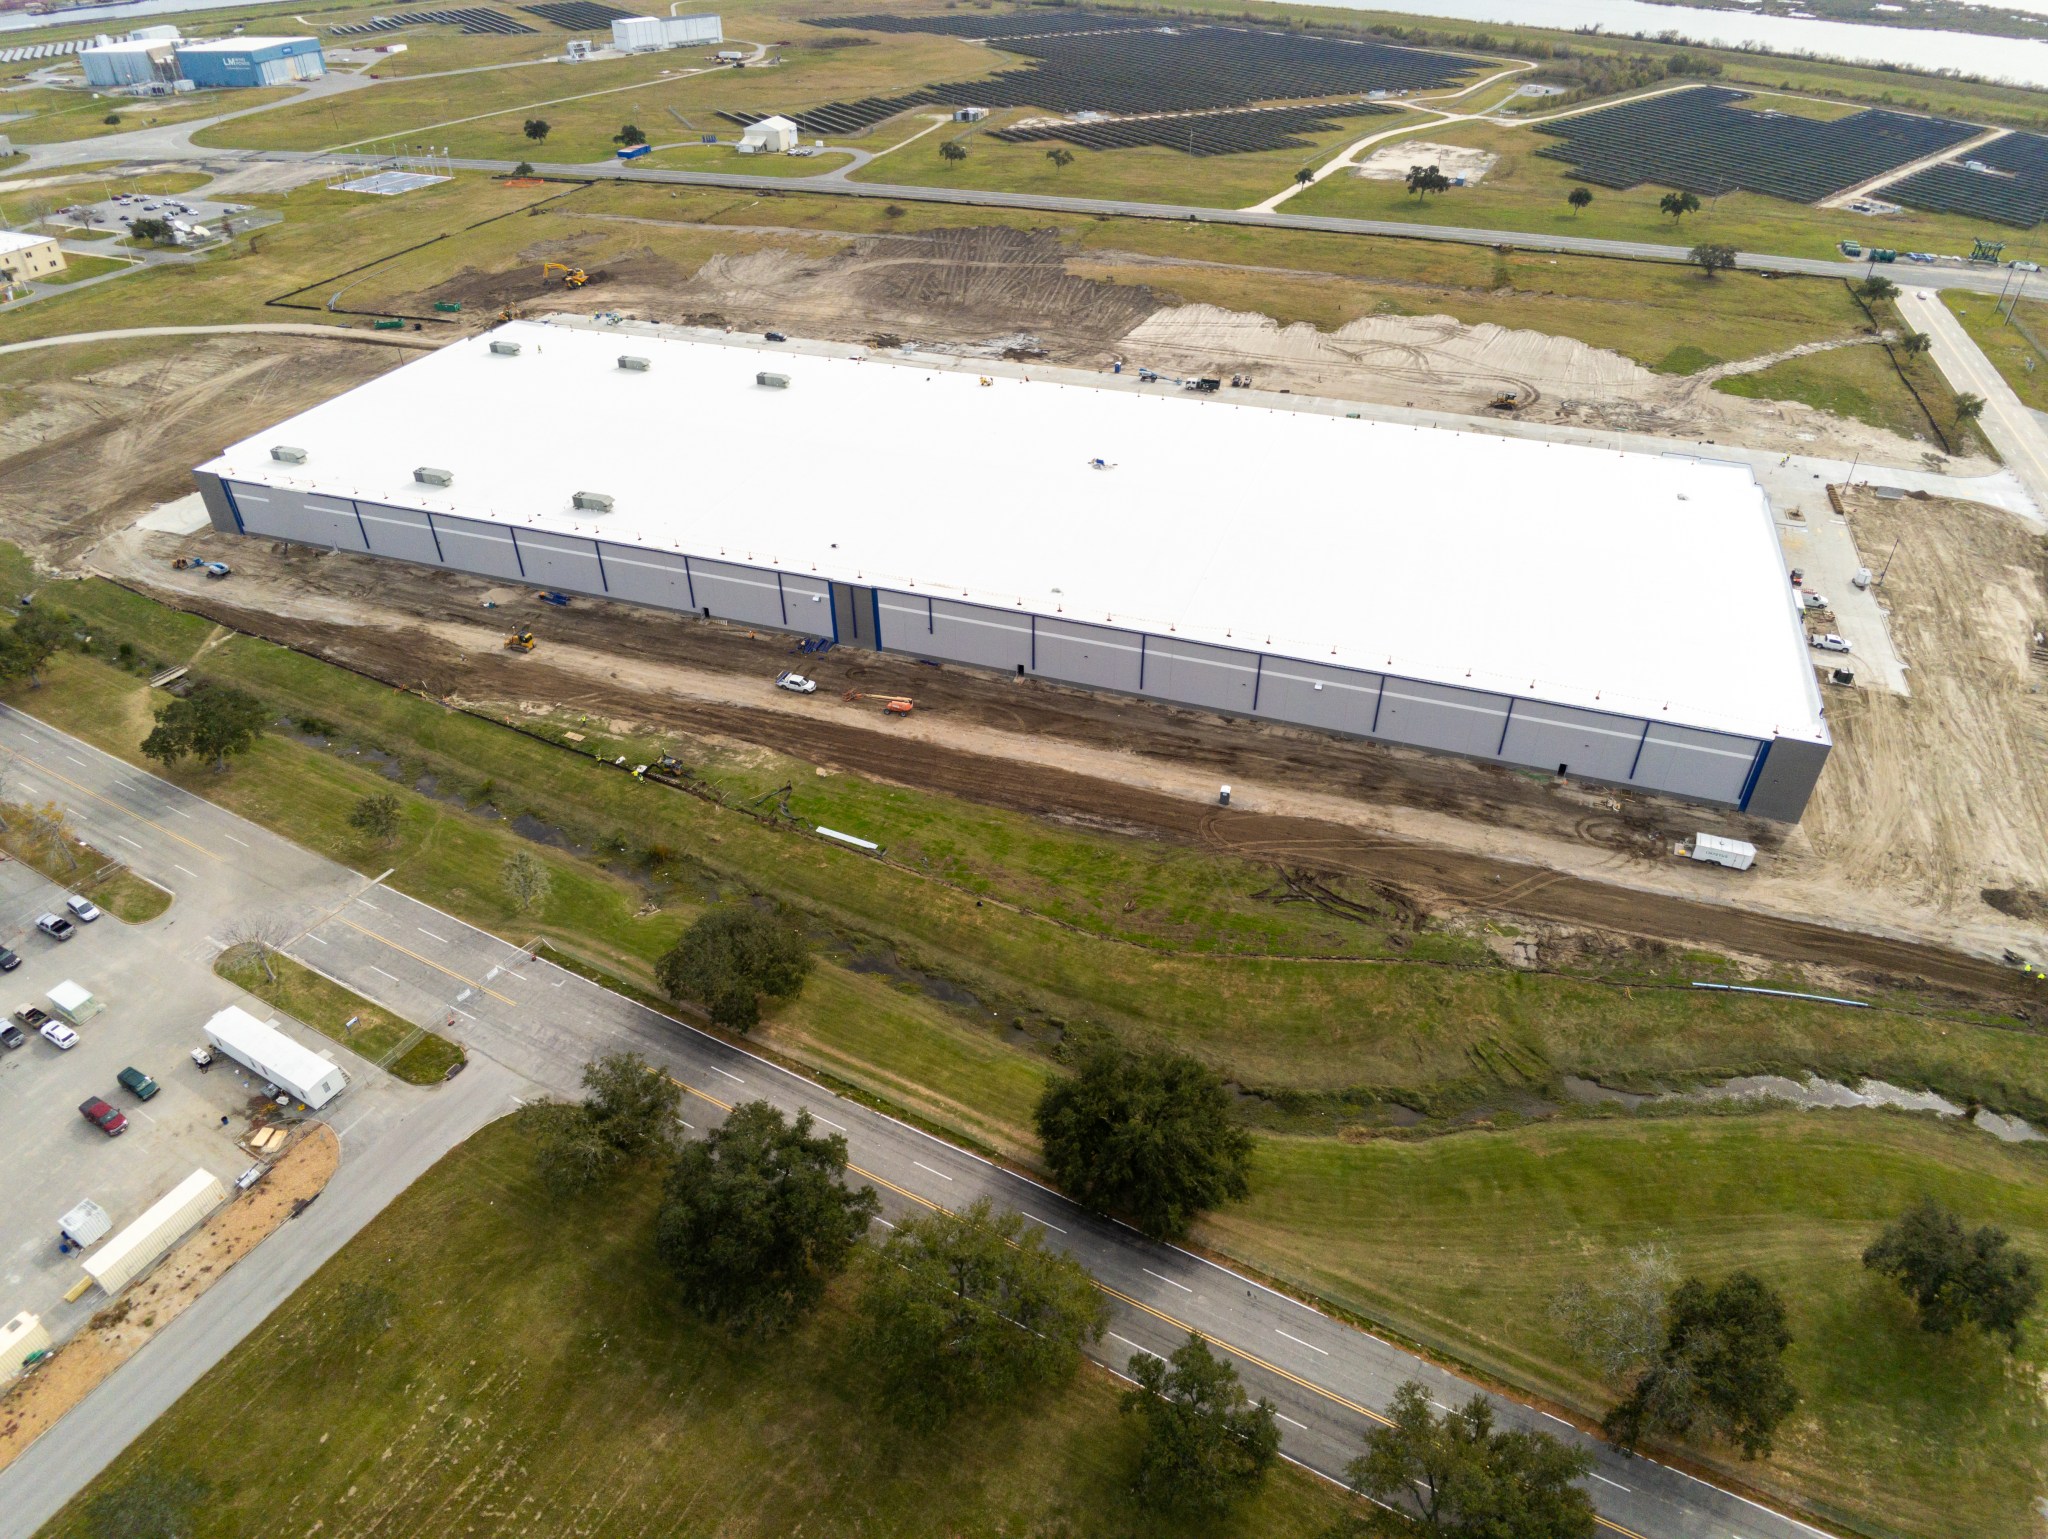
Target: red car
[{"x": 104, "y": 1117}]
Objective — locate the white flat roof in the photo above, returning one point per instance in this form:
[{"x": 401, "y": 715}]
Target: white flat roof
[
  {"x": 1625, "y": 582},
  {"x": 237, "y": 44},
  {"x": 15, "y": 240},
  {"x": 280, "y": 1053},
  {"x": 131, "y": 45}
]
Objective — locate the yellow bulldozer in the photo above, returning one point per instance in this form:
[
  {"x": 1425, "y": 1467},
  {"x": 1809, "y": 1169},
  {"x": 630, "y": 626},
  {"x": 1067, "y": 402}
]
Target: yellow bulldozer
[
  {"x": 522, "y": 642},
  {"x": 572, "y": 277}
]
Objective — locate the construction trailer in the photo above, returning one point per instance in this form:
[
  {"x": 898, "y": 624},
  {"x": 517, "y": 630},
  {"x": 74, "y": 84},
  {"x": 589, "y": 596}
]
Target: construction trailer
[
  {"x": 1457, "y": 591},
  {"x": 264, "y": 1050},
  {"x": 146, "y": 1241},
  {"x": 1735, "y": 854}
]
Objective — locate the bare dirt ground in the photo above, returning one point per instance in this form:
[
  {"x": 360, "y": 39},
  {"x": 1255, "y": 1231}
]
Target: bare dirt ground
[
  {"x": 34, "y": 1404},
  {"x": 1454, "y": 160}
]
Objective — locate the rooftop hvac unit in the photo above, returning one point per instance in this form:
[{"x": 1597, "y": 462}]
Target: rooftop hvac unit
[
  {"x": 287, "y": 455},
  {"x": 592, "y": 502},
  {"x": 506, "y": 349},
  {"x": 772, "y": 381},
  {"x": 427, "y": 475},
  {"x": 637, "y": 365}
]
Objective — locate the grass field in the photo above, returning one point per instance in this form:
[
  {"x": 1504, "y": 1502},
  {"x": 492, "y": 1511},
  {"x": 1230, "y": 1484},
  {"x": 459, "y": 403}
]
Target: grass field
[
  {"x": 69, "y": 115},
  {"x": 538, "y": 1378},
  {"x": 1465, "y": 1241},
  {"x": 2016, "y": 348},
  {"x": 76, "y": 866},
  {"x": 78, "y": 268},
  {"x": 328, "y": 1008}
]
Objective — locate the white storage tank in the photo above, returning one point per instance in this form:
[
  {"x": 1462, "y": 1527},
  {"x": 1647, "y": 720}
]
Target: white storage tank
[
  {"x": 265, "y": 1050},
  {"x": 143, "y": 1243}
]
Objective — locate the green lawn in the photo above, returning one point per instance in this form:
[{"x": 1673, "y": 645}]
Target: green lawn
[
  {"x": 77, "y": 866},
  {"x": 79, "y": 268},
  {"x": 1463, "y": 1241},
  {"x": 2015, "y": 348},
  {"x": 327, "y": 1007},
  {"x": 539, "y": 1379}
]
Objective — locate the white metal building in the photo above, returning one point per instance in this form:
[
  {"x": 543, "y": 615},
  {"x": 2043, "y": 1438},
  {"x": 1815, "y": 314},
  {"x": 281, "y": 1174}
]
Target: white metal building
[
  {"x": 143, "y": 1243},
  {"x": 639, "y": 34},
  {"x": 131, "y": 62},
  {"x": 770, "y": 136},
  {"x": 1617, "y": 617}
]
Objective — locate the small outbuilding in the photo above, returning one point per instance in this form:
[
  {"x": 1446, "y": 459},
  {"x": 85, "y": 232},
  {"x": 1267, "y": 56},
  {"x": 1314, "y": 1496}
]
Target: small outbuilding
[
  {"x": 75, "y": 1002},
  {"x": 265, "y": 1050},
  {"x": 86, "y": 1224},
  {"x": 23, "y": 1342},
  {"x": 24, "y": 256},
  {"x": 145, "y": 1242},
  {"x": 770, "y": 136}
]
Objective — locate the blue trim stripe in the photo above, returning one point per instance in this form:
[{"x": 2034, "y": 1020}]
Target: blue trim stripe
[
  {"x": 782, "y": 598},
  {"x": 1258, "y": 678},
  {"x": 690, "y": 584},
  {"x": 831, "y": 606},
  {"x": 362, "y": 528},
  {"x": 1756, "y": 770},
  {"x": 875, "y": 608},
  {"x": 1378, "y": 700},
  {"x": 1142, "y": 639},
  {"x": 597, "y": 550},
  {"x": 517, "y": 559},
  {"x": 1506, "y": 722},
  {"x": 235, "y": 508},
  {"x": 1638, "y": 759},
  {"x": 435, "y": 535}
]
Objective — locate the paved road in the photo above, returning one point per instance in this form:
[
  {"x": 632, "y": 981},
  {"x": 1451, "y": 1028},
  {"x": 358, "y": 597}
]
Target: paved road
[
  {"x": 289, "y": 328},
  {"x": 540, "y": 1024},
  {"x": 2015, "y": 431}
]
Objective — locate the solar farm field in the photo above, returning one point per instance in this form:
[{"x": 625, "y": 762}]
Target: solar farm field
[
  {"x": 1125, "y": 72},
  {"x": 579, "y": 15},
  {"x": 471, "y": 21},
  {"x": 2012, "y": 190},
  {"x": 1205, "y": 133},
  {"x": 1699, "y": 141}
]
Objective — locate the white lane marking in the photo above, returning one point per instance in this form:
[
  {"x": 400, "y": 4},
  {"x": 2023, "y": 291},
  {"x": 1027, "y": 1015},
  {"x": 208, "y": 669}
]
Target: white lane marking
[
  {"x": 1130, "y": 1343},
  {"x": 1606, "y": 1482},
  {"x": 1055, "y": 1228},
  {"x": 715, "y": 1069},
  {"x": 690, "y": 1125},
  {"x": 1299, "y": 1342},
  {"x": 884, "y": 1223},
  {"x": 1558, "y": 1419},
  {"x": 921, "y": 1165},
  {"x": 223, "y": 945},
  {"x": 1165, "y": 1279},
  {"x": 78, "y": 761},
  {"x": 429, "y": 934},
  {"x": 1291, "y": 1421},
  {"x": 187, "y": 870},
  {"x": 244, "y": 843},
  {"x": 366, "y": 903},
  {"x": 312, "y": 937},
  {"x": 461, "y": 1012},
  {"x": 181, "y": 812},
  {"x": 344, "y": 1132},
  {"x": 828, "y": 1122},
  {"x": 376, "y": 969},
  {"x": 127, "y": 841}
]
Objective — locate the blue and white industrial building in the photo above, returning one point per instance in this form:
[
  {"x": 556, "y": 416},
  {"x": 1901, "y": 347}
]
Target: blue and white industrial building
[
  {"x": 251, "y": 61},
  {"x": 1615, "y": 617}
]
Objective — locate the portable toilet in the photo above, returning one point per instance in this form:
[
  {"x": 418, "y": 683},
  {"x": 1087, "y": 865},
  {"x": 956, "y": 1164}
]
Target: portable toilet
[
  {"x": 74, "y": 1002},
  {"x": 1736, "y": 854}
]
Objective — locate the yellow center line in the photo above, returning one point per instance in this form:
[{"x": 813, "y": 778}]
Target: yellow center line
[
  {"x": 1157, "y": 1314},
  {"x": 428, "y": 961},
  {"x": 42, "y": 769}
]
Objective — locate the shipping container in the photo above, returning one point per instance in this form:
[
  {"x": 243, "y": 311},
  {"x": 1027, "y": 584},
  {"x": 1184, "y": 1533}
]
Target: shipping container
[{"x": 146, "y": 1241}]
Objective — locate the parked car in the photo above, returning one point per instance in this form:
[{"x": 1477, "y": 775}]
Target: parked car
[
  {"x": 12, "y": 1035},
  {"x": 2026, "y": 267},
  {"x": 82, "y": 907},
  {"x": 1815, "y": 600},
  {"x": 102, "y": 1116},
  {"x": 773, "y": 336},
  {"x": 31, "y": 1017},
  {"x": 137, "y": 1084},
  {"x": 56, "y": 926},
  {"x": 59, "y": 1036},
  {"x": 796, "y": 683},
  {"x": 8, "y": 960},
  {"x": 1829, "y": 643}
]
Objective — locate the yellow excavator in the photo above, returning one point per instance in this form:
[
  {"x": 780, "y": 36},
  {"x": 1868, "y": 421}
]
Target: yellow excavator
[
  {"x": 522, "y": 642},
  {"x": 572, "y": 277}
]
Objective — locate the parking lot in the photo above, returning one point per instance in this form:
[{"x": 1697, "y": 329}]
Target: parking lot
[
  {"x": 117, "y": 213},
  {"x": 157, "y": 985}
]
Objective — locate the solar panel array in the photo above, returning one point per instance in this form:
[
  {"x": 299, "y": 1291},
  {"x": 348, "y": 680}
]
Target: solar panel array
[
  {"x": 1189, "y": 69},
  {"x": 33, "y": 51},
  {"x": 579, "y": 15},
  {"x": 1202, "y": 133},
  {"x": 1700, "y": 142},
  {"x": 474, "y": 21},
  {"x": 2014, "y": 191},
  {"x": 1038, "y": 23}
]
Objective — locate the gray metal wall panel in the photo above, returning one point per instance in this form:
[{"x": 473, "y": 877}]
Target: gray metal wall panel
[
  {"x": 647, "y": 577},
  {"x": 1091, "y": 655},
  {"x": 963, "y": 633},
  {"x": 215, "y": 497},
  {"x": 1192, "y": 674},
  {"x": 1788, "y": 778},
  {"x": 485, "y": 549},
  {"x": 562, "y": 561},
  {"x": 810, "y": 604},
  {"x": 306, "y": 517},
  {"x": 401, "y": 533},
  {"x": 1314, "y": 695},
  {"x": 1703, "y": 766},
  {"x": 734, "y": 592},
  {"x": 1438, "y": 716},
  {"x": 1590, "y": 746}
]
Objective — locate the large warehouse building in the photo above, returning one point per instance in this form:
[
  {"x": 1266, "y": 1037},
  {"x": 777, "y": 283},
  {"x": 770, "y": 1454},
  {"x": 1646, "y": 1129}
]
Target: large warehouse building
[{"x": 1613, "y": 617}]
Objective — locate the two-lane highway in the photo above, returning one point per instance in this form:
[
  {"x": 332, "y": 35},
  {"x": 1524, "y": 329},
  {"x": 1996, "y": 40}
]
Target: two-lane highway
[{"x": 1327, "y": 1380}]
